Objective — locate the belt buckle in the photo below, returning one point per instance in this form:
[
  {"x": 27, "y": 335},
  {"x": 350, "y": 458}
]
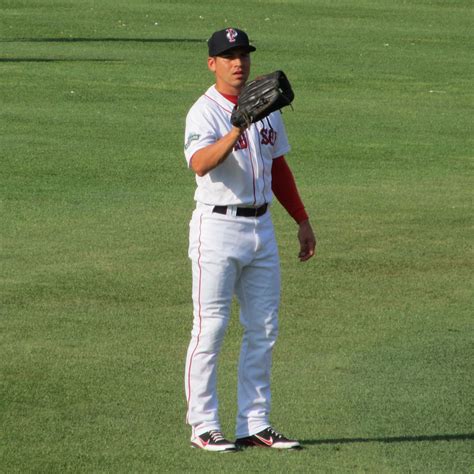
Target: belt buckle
[{"x": 232, "y": 211}]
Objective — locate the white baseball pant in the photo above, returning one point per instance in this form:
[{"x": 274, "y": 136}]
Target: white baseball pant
[{"x": 232, "y": 255}]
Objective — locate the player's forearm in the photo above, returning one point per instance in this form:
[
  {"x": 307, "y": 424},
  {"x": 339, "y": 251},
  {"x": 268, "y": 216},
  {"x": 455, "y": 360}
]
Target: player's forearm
[{"x": 213, "y": 155}]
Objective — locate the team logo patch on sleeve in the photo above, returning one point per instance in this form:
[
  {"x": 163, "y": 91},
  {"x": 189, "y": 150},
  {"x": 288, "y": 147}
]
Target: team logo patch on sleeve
[{"x": 191, "y": 138}]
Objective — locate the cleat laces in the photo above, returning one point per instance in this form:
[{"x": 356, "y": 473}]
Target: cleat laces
[
  {"x": 216, "y": 436},
  {"x": 274, "y": 433}
]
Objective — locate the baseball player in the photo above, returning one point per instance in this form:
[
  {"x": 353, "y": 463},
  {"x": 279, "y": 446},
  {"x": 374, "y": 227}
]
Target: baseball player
[{"x": 233, "y": 249}]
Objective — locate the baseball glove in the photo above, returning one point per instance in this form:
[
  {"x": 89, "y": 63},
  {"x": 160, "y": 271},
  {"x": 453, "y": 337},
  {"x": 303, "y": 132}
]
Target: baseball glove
[{"x": 261, "y": 97}]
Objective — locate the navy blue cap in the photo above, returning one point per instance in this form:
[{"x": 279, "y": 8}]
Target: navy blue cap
[{"x": 224, "y": 40}]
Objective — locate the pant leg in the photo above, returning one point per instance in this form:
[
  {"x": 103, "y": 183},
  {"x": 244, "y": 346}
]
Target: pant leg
[
  {"x": 258, "y": 290},
  {"x": 214, "y": 275}
]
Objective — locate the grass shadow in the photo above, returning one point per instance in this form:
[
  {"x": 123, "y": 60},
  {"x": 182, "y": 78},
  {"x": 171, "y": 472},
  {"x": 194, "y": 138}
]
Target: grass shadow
[
  {"x": 53, "y": 60},
  {"x": 102, "y": 40}
]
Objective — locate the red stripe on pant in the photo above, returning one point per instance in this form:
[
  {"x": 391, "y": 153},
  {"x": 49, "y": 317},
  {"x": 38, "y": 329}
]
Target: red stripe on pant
[{"x": 200, "y": 318}]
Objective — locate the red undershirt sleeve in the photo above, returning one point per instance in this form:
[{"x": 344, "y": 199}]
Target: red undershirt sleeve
[{"x": 285, "y": 190}]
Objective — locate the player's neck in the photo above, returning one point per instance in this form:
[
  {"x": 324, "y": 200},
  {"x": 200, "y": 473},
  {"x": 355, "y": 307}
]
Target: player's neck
[
  {"x": 227, "y": 89},
  {"x": 230, "y": 97}
]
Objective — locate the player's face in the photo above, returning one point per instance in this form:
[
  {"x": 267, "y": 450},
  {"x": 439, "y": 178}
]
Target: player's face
[{"x": 231, "y": 70}]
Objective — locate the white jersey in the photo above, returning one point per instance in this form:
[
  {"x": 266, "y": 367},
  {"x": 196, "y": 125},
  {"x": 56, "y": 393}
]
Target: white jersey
[{"x": 244, "y": 178}]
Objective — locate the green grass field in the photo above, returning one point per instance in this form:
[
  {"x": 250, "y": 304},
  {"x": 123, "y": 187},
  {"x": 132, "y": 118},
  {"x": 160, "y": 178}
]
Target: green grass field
[{"x": 373, "y": 368}]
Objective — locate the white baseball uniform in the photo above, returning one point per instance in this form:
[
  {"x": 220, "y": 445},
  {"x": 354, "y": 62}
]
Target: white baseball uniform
[{"x": 232, "y": 254}]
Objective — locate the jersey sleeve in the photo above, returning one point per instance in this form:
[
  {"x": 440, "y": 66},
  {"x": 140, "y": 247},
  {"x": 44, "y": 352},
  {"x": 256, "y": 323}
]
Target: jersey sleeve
[
  {"x": 281, "y": 146},
  {"x": 199, "y": 131},
  {"x": 285, "y": 190}
]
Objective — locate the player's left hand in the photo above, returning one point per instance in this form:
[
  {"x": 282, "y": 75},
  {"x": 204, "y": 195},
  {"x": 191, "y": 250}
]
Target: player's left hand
[{"x": 307, "y": 241}]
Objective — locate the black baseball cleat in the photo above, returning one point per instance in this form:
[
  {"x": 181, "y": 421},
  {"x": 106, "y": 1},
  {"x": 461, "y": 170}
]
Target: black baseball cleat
[
  {"x": 268, "y": 438},
  {"x": 213, "y": 441}
]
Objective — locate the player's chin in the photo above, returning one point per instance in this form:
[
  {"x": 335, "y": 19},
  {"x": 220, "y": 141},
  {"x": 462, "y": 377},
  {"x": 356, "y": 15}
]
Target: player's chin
[
  {"x": 239, "y": 80},
  {"x": 238, "y": 84}
]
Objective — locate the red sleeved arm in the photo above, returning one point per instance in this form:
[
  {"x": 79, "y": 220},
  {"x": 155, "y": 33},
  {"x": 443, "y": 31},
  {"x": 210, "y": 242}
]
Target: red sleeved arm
[{"x": 284, "y": 188}]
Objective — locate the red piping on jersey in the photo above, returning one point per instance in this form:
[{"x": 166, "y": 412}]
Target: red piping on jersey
[
  {"x": 215, "y": 101},
  {"x": 285, "y": 190},
  {"x": 200, "y": 319},
  {"x": 263, "y": 167},
  {"x": 253, "y": 171}
]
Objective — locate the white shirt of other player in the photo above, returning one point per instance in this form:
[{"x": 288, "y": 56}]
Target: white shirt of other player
[{"x": 244, "y": 178}]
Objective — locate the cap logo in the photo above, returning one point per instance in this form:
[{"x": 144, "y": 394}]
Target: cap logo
[{"x": 231, "y": 35}]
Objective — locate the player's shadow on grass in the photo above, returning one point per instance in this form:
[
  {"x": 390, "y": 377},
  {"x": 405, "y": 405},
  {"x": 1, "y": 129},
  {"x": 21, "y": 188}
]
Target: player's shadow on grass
[
  {"x": 393, "y": 439},
  {"x": 102, "y": 40}
]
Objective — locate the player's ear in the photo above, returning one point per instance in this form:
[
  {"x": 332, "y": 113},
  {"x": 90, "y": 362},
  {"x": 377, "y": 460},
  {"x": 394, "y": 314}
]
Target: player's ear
[{"x": 211, "y": 63}]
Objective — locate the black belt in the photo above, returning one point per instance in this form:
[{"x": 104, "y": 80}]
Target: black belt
[{"x": 243, "y": 211}]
